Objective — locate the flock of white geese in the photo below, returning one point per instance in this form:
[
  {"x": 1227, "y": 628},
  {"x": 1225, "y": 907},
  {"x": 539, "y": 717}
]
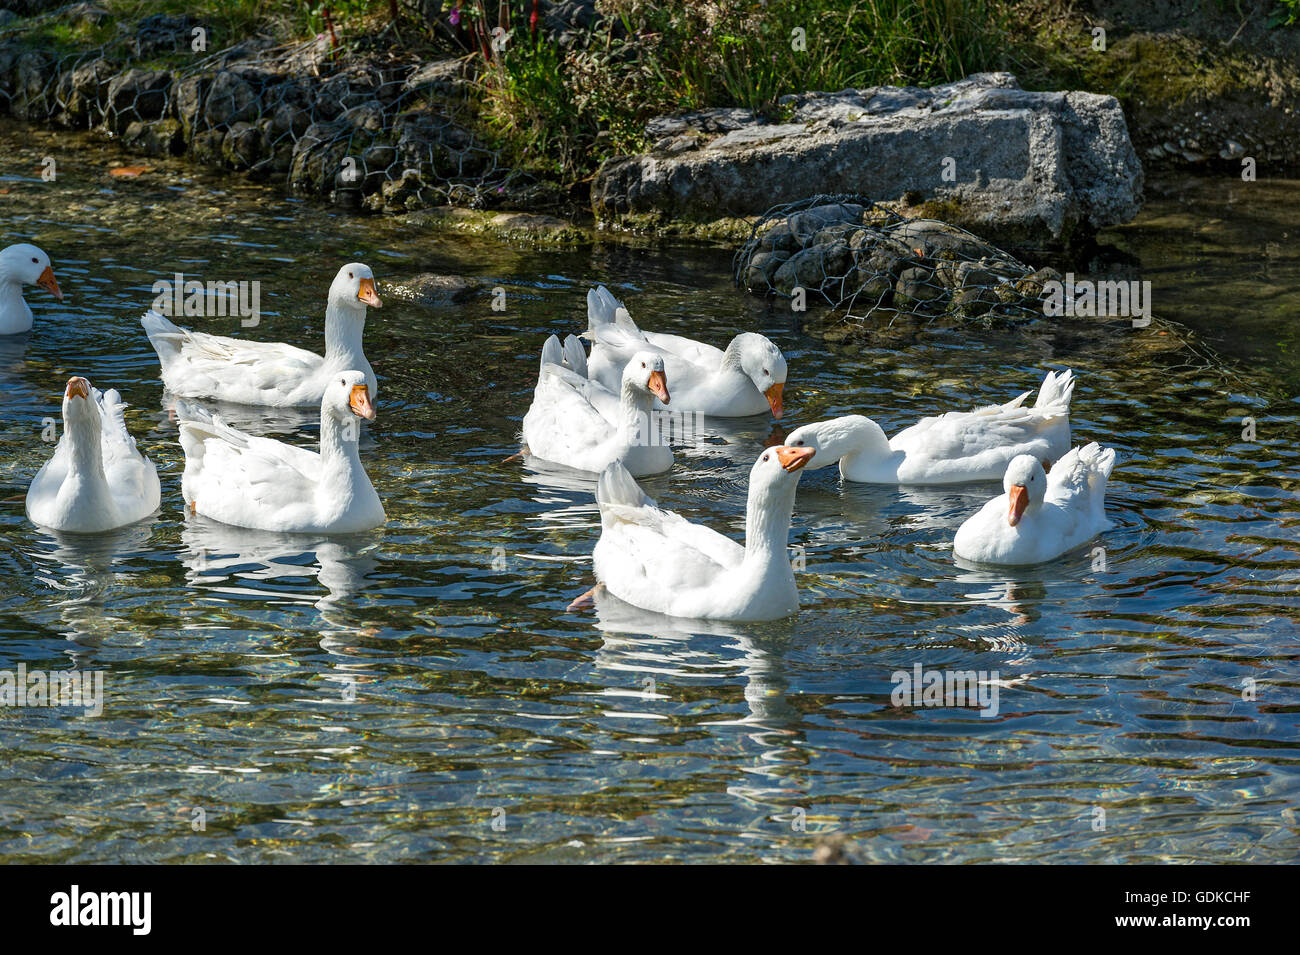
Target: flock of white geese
[{"x": 590, "y": 412}]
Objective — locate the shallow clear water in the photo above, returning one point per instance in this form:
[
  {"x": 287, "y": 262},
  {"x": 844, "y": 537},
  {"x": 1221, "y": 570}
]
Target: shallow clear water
[{"x": 390, "y": 697}]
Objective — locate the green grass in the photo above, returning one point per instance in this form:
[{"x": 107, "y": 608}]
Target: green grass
[
  {"x": 578, "y": 108},
  {"x": 561, "y": 112},
  {"x": 1285, "y": 13},
  {"x": 230, "y": 21}
]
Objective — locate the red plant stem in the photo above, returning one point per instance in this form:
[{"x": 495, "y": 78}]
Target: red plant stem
[{"x": 329, "y": 22}]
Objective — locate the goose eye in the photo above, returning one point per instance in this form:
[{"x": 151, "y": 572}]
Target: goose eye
[
  {"x": 343, "y": 381},
  {"x": 35, "y": 262},
  {"x": 642, "y": 364},
  {"x": 766, "y": 456},
  {"x": 349, "y": 275},
  {"x": 766, "y": 372}
]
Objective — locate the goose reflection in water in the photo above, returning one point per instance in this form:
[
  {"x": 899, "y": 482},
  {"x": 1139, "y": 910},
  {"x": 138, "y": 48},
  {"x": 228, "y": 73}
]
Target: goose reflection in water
[
  {"x": 234, "y": 561},
  {"x": 651, "y": 649},
  {"x": 84, "y": 570}
]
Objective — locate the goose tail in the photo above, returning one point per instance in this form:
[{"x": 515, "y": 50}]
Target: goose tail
[
  {"x": 604, "y": 310},
  {"x": 552, "y": 353},
  {"x": 575, "y": 356},
  {"x": 1055, "y": 394},
  {"x": 166, "y": 338},
  {"x": 617, "y": 490},
  {"x": 1089, "y": 470},
  {"x": 1097, "y": 463}
]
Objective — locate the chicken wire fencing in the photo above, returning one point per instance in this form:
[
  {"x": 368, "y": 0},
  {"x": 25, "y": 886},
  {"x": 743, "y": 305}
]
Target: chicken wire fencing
[
  {"x": 366, "y": 129},
  {"x": 862, "y": 258}
]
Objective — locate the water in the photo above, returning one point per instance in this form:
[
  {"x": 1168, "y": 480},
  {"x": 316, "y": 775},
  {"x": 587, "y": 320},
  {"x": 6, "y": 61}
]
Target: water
[{"x": 391, "y": 697}]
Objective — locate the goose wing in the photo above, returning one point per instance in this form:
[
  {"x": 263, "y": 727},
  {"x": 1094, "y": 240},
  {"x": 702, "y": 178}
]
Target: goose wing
[
  {"x": 233, "y": 471},
  {"x": 198, "y": 364},
  {"x": 130, "y": 474}
]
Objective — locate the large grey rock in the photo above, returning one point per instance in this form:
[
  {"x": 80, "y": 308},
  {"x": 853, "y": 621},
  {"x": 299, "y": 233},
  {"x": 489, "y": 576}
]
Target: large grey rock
[
  {"x": 232, "y": 98},
  {"x": 163, "y": 34},
  {"x": 32, "y": 76},
  {"x": 159, "y": 137},
  {"x": 1026, "y": 167},
  {"x": 84, "y": 88},
  {"x": 136, "y": 95},
  {"x": 317, "y": 158},
  {"x": 431, "y": 288}
]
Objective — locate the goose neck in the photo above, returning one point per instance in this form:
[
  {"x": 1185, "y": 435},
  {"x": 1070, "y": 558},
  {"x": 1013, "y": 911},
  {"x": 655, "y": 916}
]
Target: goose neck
[
  {"x": 634, "y": 411},
  {"x": 344, "y": 326},
  {"x": 767, "y": 525},
  {"x": 84, "y": 451},
  {"x": 338, "y": 443},
  {"x": 863, "y": 451},
  {"x": 14, "y": 315}
]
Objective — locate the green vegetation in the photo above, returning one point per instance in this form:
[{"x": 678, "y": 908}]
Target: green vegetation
[
  {"x": 579, "y": 106},
  {"x": 560, "y": 111},
  {"x": 1286, "y": 13}
]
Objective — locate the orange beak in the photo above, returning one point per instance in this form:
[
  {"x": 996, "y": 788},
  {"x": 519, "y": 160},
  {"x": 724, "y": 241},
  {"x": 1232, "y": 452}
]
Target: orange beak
[
  {"x": 77, "y": 387},
  {"x": 1019, "y": 501},
  {"x": 48, "y": 282},
  {"x": 367, "y": 293},
  {"x": 658, "y": 384},
  {"x": 773, "y": 396},
  {"x": 792, "y": 459},
  {"x": 360, "y": 403}
]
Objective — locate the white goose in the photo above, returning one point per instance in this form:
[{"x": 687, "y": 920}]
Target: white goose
[
  {"x": 268, "y": 485},
  {"x": 572, "y": 420},
  {"x": 659, "y": 561},
  {"x": 746, "y": 379},
  {"x": 949, "y": 448},
  {"x": 96, "y": 480},
  {"x": 199, "y": 365},
  {"x": 1041, "y": 516},
  {"x": 20, "y": 265}
]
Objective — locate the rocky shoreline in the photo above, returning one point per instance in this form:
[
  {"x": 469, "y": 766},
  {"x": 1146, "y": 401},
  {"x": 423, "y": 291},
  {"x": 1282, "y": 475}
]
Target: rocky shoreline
[
  {"x": 391, "y": 133},
  {"x": 863, "y": 257},
  {"x": 387, "y": 135}
]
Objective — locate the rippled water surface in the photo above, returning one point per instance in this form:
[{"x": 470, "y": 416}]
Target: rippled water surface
[{"x": 421, "y": 694}]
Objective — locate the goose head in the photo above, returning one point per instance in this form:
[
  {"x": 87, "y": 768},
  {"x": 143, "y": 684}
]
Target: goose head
[
  {"x": 645, "y": 374},
  {"x": 28, "y": 265},
  {"x": 763, "y": 364},
  {"x": 772, "y": 483},
  {"x": 841, "y": 437},
  {"x": 779, "y": 466},
  {"x": 1026, "y": 486},
  {"x": 347, "y": 397},
  {"x": 354, "y": 288},
  {"x": 80, "y": 411}
]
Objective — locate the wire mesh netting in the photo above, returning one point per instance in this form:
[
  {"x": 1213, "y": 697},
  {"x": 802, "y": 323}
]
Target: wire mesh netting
[
  {"x": 375, "y": 129},
  {"x": 864, "y": 258}
]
